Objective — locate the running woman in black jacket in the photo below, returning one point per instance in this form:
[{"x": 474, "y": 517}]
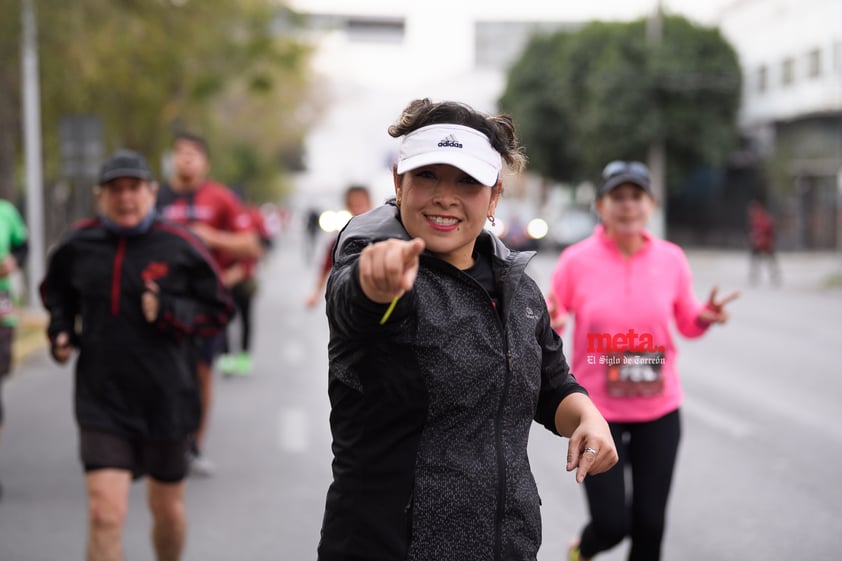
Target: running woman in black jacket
[
  {"x": 441, "y": 356},
  {"x": 130, "y": 290}
]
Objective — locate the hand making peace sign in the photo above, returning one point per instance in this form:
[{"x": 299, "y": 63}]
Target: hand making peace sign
[{"x": 714, "y": 311}]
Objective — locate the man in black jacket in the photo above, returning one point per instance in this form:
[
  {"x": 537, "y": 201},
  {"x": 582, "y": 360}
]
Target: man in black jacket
[{"x": 130, "y": 290}]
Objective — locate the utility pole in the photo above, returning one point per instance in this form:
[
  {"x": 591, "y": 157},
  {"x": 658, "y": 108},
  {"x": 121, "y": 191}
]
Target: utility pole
[
  {"x": 657, "y": 151},
  {"x": 32, "y": 150},
  {"x": 839, "y": 211}
]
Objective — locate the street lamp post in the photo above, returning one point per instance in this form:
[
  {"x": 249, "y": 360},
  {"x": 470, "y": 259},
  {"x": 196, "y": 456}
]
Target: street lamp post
[
  {"x": 32, "y": 149},
  {"x": 657, "y": 158}
]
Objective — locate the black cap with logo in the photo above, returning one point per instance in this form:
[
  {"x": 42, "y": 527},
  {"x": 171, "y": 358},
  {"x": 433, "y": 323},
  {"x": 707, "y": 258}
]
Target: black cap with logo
[{"x": 619, "y": 172}]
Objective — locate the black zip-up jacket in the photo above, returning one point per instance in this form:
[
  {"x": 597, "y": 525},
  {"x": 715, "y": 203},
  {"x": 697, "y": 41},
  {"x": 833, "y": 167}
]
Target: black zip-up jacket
[
  {"x": 134, "y": 377},
  {"x": 431, "y": 411}
]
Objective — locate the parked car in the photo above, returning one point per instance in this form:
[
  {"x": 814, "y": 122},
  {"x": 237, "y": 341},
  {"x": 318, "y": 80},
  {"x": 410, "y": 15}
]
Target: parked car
[
  {"x": 572, "y": 225},
  {"x": 518, "y": 225}
]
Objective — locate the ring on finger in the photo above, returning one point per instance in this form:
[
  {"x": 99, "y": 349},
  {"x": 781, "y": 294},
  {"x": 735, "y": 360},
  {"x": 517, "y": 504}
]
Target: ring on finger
[{"x": 592, "y": 451}]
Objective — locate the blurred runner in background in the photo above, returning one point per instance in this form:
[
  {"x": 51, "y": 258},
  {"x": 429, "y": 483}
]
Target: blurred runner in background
[
  {"x": 213, "y": 212},
  {"x": 625, "y": 288},
  {"x": 14, "y": 249},
  {"x": 129, "y": 290},
  {"x": 357, "y": 201},
  {"x": 761, "y": 237}
]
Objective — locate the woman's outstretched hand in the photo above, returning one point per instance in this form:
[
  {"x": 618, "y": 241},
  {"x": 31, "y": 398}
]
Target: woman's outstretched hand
[{"x": 388, "y": 268}]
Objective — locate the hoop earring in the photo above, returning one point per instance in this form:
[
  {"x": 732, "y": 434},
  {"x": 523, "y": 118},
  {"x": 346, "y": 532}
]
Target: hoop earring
[{"x": 491, "y": 219}]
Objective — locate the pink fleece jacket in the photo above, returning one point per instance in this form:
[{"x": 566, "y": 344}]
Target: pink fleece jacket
[{"x": 626, "y": 304}]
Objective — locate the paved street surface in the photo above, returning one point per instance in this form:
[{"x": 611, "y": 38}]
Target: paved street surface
[{"x": 759, "y": 473}]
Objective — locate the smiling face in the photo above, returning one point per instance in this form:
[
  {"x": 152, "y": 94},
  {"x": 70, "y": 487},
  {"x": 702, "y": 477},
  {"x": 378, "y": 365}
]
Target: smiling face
[
  {"x": 625, "y": 210},
  {"x": 445, "y": 207},
  {"x": 126, "y": 200}
]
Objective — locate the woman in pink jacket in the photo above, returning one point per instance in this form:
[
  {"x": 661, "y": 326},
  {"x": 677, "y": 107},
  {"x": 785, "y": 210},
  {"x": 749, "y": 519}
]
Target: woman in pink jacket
[{"x": 625, "y": 287}]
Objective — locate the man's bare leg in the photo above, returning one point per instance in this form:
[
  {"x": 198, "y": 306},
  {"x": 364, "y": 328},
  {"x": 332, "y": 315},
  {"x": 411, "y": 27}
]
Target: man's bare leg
[
  {"x": 169, "y": 519},
  {"x": 108, "y": 497}
]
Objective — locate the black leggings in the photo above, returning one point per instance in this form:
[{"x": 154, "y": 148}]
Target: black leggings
[
  {"x": 648, "y": 453},
  {"x": 243, "y": 295}
]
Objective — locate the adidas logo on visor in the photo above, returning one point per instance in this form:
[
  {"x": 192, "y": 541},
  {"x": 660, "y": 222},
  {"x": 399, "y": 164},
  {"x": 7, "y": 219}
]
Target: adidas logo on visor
[
  {"x": 456, "y": 145},
  {"x": 451, "y": 141}
]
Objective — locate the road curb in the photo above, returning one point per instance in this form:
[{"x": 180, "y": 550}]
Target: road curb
[{"x": 30, "y": 335}]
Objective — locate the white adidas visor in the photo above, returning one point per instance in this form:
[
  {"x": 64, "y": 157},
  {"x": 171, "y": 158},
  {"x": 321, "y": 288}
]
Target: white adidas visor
[{"x": 457, "y": 145}]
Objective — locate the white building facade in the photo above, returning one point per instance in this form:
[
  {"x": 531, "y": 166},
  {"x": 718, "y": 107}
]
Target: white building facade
[{"x": 791, "y": 55}]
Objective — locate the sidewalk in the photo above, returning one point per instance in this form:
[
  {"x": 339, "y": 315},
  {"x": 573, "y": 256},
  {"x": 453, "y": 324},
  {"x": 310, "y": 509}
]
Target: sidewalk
[{"x": 30, "y": 334}]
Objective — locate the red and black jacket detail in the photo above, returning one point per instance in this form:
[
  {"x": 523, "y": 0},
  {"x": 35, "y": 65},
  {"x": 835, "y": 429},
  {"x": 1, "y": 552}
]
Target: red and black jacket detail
[{"x": 132, "y": 376}]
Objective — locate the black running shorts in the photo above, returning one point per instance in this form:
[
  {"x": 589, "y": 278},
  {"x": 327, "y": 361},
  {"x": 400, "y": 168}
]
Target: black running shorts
[
  {"x": 7, "y": 335},
  {"x": 208, "y": 348},
  {"x": 162, "y": 460}
]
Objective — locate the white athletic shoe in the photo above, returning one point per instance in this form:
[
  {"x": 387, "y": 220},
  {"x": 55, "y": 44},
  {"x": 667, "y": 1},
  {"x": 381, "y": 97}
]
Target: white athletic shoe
[{"x": 200, "y": 466}]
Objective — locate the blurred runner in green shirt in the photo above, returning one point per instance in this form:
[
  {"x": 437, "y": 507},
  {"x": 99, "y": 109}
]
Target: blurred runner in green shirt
[{"x": 13, "y": 251}]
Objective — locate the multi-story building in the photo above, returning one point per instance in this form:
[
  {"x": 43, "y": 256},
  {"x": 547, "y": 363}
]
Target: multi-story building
[{"x": 791, "y": 55}]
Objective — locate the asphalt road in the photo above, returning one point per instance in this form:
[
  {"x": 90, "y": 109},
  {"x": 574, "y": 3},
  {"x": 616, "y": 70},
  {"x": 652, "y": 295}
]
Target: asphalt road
[{"x": 759, "y": 474}]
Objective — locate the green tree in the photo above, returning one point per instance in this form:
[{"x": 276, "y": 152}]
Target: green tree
[
  {"x": 10, "y": 125},
  {"x": 600, "y": 93},
  {"x": 147, "y": 68},
  {"x": 532, "y": 96}
]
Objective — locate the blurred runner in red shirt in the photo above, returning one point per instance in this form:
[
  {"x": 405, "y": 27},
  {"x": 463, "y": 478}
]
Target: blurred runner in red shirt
[
  {"x": 213, "y": 212},
  {"x": 762, "y": 243},
  {"x": 357, "y": 201}
]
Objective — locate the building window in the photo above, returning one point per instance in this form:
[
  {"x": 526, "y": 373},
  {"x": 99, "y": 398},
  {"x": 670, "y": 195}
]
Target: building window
[
  {"x": 762, "y": 78},
  {"x": 498, "y": 44},
  {"x": 814, "y": 63},
  {"x": 375, "y": 30},
  {"x": 788, "y": 71}
]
